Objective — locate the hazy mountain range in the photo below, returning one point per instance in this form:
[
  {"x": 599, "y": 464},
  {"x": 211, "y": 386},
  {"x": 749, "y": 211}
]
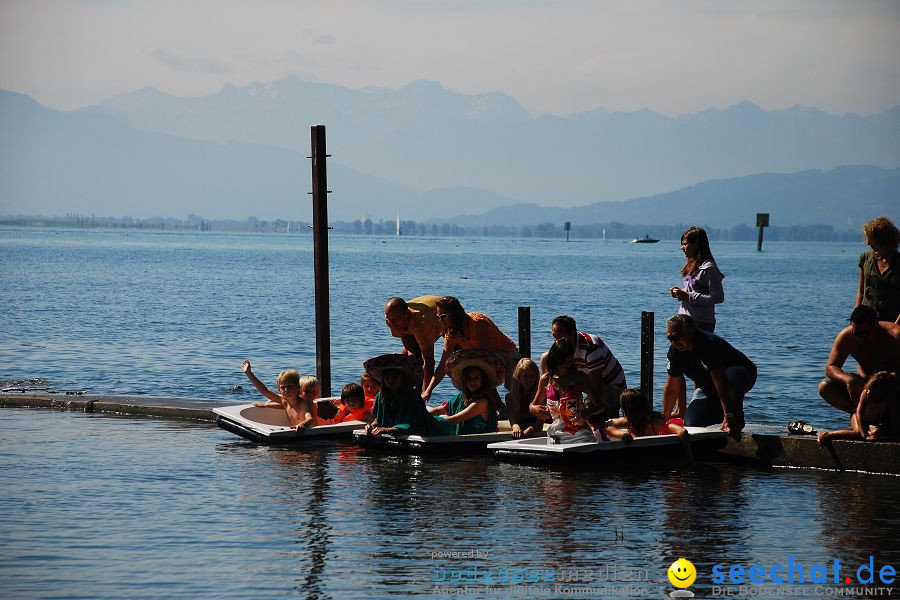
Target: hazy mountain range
[
  {"x": 845, "y": 197},
  {"x": 424, "y": 136},
  {"x": 426, "y": 152}
]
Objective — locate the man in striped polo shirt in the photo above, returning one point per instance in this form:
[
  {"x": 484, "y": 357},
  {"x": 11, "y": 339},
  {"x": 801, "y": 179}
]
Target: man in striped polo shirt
[{"x": 594, "y": 359}]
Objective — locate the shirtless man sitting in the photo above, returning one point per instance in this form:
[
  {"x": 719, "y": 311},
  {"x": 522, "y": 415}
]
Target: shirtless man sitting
[{"x": 874, "y": 344}]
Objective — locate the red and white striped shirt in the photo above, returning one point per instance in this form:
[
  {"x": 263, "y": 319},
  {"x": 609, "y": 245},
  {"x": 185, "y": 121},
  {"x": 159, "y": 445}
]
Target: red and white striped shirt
[{"x": 593, "y": 355}]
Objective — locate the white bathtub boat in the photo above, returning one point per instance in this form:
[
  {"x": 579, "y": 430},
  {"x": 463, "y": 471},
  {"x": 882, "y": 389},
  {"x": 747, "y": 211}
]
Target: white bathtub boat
[{"x": 269, "y": 425}]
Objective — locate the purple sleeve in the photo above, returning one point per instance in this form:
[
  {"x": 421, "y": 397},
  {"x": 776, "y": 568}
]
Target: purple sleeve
[{"x": 709, "y": 278}]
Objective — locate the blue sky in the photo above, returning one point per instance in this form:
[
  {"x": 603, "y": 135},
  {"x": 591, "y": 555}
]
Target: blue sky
[{"x": 553, "y": 57}]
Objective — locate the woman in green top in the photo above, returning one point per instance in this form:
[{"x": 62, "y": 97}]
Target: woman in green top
[{"x": 879, "y": 270}]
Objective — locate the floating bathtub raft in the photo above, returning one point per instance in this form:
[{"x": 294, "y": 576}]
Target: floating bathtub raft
[
  {"x": 434, "y": 444},
  {"x": 656, "y": 448},
  {"x": 269, "y": 425}
]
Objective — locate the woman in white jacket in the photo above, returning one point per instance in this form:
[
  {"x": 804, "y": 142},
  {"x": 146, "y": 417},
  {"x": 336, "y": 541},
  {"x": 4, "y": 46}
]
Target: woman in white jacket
[{"x": 702, "y": 280}]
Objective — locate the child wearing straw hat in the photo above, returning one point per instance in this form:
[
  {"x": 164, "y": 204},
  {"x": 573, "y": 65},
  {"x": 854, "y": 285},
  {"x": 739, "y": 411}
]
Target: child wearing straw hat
[
  {"x": 476, "y": 373},
  {"x": 398, "y": 407}
]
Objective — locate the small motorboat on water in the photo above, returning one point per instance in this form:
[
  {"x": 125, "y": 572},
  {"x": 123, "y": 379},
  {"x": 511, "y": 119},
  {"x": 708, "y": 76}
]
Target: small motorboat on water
[
  {"x": 656, "y": 448},
  {"x": 269, "y": 425},
  {"x": 436, "y": 444},
  {"x": 644, "y": 240}
]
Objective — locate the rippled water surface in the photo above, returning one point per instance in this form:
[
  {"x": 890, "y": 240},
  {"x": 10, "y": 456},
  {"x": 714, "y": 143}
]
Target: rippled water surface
[
  {"x": 162, "y": 313},
  {"x": 94, "y": 506}
]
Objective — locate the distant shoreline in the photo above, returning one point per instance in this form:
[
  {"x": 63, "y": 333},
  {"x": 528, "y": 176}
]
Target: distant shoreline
[{"x": 611, "y": 231}]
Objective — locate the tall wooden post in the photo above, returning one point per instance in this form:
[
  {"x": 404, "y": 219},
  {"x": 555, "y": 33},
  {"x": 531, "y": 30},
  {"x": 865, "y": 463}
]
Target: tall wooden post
[
  {"x": 647, "y": 355},
  {"x": 525, "y": 331},
  {"x": 762, "y": 220},
  {"x": 320, "y": 258}
]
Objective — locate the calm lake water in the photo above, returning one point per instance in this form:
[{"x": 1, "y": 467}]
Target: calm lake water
[
  {"x": 95, "y": 506},
  {"x": 174, "y": 314},
  {"x": 102, "y": 507}
]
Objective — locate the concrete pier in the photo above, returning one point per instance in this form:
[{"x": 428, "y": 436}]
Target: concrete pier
[
  {"x": 760, "y": 445},
  {"x": 144, "y": 406},
  {"x": 772, "y": 446}
]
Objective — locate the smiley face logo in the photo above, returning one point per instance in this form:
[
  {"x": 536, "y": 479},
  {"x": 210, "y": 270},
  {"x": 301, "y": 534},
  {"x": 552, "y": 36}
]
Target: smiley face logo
[{"x": 682, "y": 573}]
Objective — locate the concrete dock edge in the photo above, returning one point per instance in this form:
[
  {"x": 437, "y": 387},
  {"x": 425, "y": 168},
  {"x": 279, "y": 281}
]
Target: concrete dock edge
[
  {"x": 802, "y": 451},
  {"x": 163, "y": 408}
]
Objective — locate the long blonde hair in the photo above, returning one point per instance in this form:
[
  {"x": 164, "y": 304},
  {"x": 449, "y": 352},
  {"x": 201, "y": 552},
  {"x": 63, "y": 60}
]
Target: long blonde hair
[{"x": 517, "y": 392}]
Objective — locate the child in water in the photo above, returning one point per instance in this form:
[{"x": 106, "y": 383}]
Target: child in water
[
  {"x": 877, "y": 416},
  {"x": 291, "y": 398},
  {"x": 639, "y": 420}
]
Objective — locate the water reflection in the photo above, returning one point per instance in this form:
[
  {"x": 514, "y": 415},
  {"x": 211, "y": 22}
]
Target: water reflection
[
  {"x": 315, "y": 534},
  {"x": 855, "y": 518},
  {"x": 704, "y": 519},
  {"x": 331, "y": 521}
]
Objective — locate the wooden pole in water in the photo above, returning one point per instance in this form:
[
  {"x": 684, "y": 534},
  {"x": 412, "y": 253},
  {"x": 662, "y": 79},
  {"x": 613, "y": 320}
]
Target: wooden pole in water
[
  {"x": 320, "y": 258},
  {"x": 647, "y": 355},
  {"x": 762, "y": 220},
  {"x": 525, "y": 331}
]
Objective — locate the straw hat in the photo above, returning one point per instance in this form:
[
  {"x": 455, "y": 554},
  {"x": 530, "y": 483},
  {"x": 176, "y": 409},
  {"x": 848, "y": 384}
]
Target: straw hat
[
  {"x": 485, "y": 360},
  {"x": 410, "y": 367}
]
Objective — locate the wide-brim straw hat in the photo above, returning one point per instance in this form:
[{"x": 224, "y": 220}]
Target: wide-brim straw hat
[
  {"x": 410, "y": 367},
  {"x": 489, "y": 363}
]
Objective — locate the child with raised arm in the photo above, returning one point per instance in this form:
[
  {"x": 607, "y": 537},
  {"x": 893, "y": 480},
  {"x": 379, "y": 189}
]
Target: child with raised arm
[
  {"x": 877, "y": 415},
  {"x": 290, "y": 399}
]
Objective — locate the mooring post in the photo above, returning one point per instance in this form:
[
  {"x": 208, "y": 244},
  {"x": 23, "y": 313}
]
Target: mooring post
[
  {"x": 320, "y": 258},
  {"x": 762, "y": 220},
  {"x": 568, "y": 228},
  {"x": 647, "y": 355},
  {"x": 525, "y": 331}
]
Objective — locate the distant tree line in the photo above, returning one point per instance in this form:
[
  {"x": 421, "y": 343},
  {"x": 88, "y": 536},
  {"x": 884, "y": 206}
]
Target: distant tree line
[
  {"x": 191, "y": 223},
  {"x": 612, "y": 230}
]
